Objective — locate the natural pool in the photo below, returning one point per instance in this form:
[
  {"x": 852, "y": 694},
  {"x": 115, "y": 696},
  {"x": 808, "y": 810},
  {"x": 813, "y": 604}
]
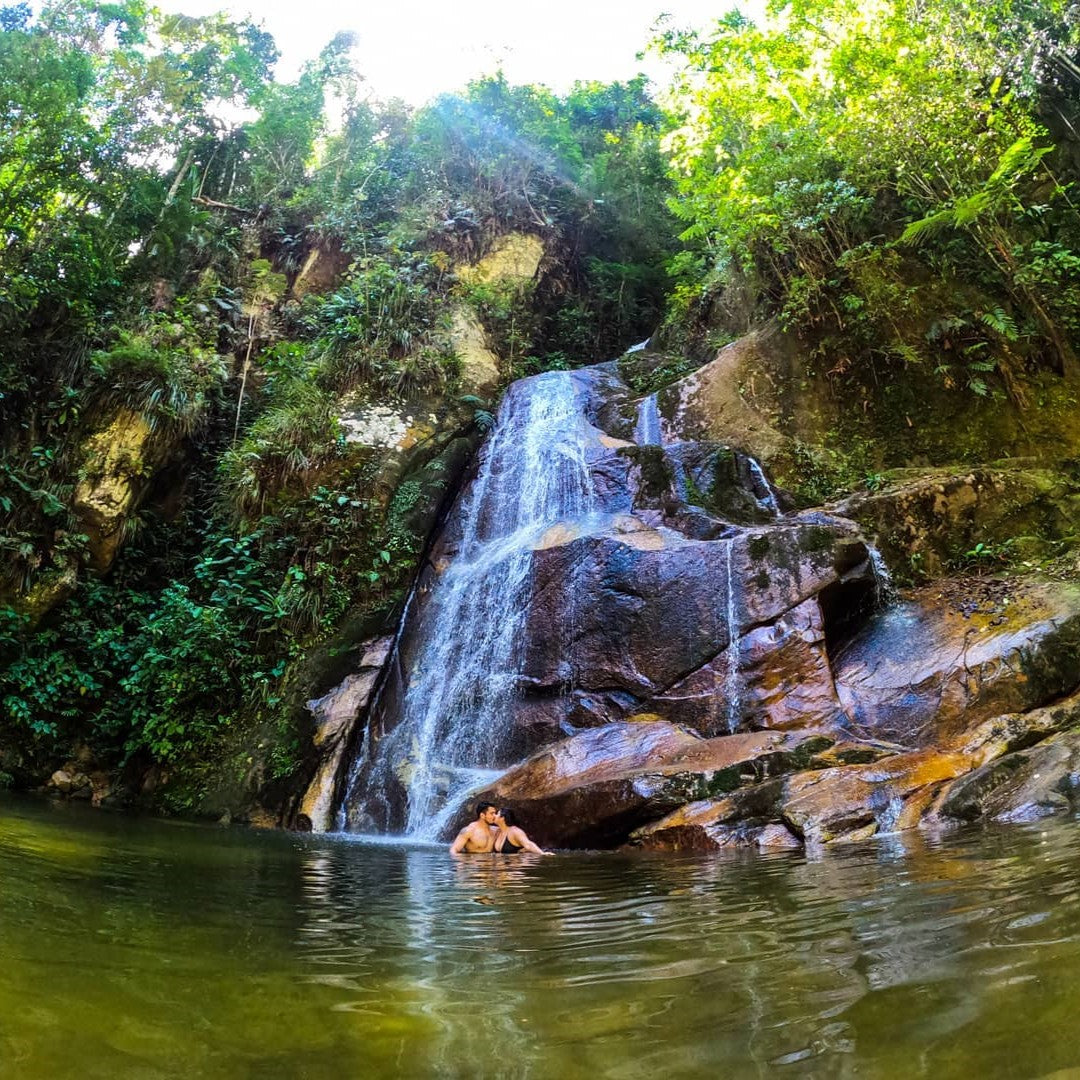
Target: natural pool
[{"x": 136, "y": 948}]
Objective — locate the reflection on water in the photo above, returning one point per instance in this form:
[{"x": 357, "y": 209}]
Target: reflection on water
[{"x": 147, "y": 949}]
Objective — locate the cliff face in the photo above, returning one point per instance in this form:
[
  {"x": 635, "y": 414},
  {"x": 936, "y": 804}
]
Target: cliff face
[
  {"x": 724, "y": 587},
  {"x": 699, "y": 662}
]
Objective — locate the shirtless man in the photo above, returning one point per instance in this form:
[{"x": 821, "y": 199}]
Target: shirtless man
[{"x": 478, "y": 837}]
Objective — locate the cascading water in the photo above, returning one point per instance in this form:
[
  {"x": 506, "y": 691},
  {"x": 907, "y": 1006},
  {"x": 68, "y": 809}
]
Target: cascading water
[
  {"x": 533, "y": 473},
  {"x": 884, "y": 589},
  {"x": 731, "y": 683},
  {"x": 763, "y": 490},
  {"x": 647, "y": 427}
]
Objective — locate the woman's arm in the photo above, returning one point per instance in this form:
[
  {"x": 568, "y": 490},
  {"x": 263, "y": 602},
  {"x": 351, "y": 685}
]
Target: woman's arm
[{"x": 517, "y": 836}]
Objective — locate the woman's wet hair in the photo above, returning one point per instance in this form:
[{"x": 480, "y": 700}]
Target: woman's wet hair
[{"x": 508, "y": 817}]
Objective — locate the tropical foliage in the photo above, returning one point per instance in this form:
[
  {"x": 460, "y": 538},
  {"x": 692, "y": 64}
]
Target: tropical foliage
[
  {"x": 163, "y": 201},
  {"x": 895, "y": 180}
]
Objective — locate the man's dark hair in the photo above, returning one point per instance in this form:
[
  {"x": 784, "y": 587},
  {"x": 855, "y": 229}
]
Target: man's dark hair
[{"x": 482, "y": 807}]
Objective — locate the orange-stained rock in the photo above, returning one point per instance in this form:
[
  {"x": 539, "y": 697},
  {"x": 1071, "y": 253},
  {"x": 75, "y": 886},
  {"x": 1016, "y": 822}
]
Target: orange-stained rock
[
  {"x": 819, "y": 807},
  {"x": 826, "y": 805},
  {"x": 1016, "y": 731},
  {"x": 926, "y": 670},
  {"x": 335, "y": 715},
  {"x": 784, "y": 680},
  {"x": 591, "y": 790}
]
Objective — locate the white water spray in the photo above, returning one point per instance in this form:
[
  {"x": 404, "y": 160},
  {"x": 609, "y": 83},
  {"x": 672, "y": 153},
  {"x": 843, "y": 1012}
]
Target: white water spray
[
  {"x": 456, "y": 704},
  {"x": 731, "y": 685},
  {"x": 764, "y": 492}
]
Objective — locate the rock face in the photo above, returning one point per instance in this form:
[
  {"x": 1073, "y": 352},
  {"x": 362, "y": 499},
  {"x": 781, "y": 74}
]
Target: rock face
[
  {"x": 592, "y": 789},
  {"x": 119, "y": 461},
  {"x": 943, "y": 518},
  {"x": 335, "y": 716},
  {"x": 512, "y": 263},
  {"x": 691, "y": 663},
  {"x": 927, "y": 670}
]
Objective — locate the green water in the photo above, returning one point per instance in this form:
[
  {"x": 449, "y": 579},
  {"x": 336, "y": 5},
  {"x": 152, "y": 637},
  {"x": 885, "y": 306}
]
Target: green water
[{"x": 131, "y": 948}]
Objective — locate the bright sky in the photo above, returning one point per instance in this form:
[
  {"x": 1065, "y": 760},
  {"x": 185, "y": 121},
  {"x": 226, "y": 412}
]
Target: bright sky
[{"x": 414, "y": 49}]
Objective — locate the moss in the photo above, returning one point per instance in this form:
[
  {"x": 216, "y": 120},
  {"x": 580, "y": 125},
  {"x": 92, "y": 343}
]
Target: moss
[
  {"x": 695, "y": 496},
  {"x": 645, "y": 371},
  {"x": 816, "y": 538},
  {"x": 654, "y": 469},
  {"x": 721, "y": 782},
  {"x": 758, "y": 547},
  {"x": 803, "y": 755},
  {"x": 762, "y": 580},
  {"x": 1053, "y": 669}
]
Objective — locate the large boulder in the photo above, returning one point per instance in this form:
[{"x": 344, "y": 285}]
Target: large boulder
[
  {"x": 592, "y": 789},
  {"x": 928, "y": 669},
  {"x": 937, "y": 519},
  {"x": 710, "y": 403},
  {"x": 638, "y": 608}
]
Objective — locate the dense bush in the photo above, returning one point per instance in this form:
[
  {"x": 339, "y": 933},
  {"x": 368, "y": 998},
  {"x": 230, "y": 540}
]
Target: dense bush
[{"x": 895, "y": 182}]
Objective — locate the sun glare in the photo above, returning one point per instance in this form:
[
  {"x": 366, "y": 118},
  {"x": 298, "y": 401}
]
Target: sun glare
[{"x": 416, "y": 49}]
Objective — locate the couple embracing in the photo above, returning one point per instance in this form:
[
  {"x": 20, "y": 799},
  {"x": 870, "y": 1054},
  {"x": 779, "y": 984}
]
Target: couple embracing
[{"x": 494, "y": 830}]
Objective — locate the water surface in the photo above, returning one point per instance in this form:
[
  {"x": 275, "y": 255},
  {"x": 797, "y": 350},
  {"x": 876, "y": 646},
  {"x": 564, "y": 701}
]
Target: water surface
[{"x": 134, "y": 948}]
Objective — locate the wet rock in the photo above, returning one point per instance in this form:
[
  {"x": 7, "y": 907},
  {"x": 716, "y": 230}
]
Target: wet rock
[
  {"x": 1017, "y": 731},
  {"x": 1022, "y": 786},
  {"x": 626, "y": 606},
  {"x": 818, "y": 807},
  {"x": 934, "y": 518},
  {"x": 71, "y": 782},
  {"x": 1032, "y": 767},
  {"x": 882, "y": 796},
  {"x": 926, "y": 670},
  {"x": 593, "y": 789},
  {"x": 783, "y": 680},
  {"x": 335, "y": 715}
]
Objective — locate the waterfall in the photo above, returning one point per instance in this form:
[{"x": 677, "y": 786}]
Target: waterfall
[
  {"x": 731, "y": 685},
  {"x": 647, "y": 427},
  {"x": 453, "y": 717},
  {"x": 884, "y": 589},
  {"x": 763, "y": 490}
]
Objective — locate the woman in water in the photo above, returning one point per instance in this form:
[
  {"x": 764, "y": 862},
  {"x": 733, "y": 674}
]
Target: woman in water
[{"x": 511, "y": 839}]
